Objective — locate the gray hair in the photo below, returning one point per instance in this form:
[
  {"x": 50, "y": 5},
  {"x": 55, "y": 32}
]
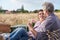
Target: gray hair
[{"x": 48, "y": 6}]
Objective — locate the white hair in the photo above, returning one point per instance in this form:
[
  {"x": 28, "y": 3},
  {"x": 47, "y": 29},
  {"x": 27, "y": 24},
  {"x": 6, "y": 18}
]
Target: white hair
[{"x": 48, "y": 6}]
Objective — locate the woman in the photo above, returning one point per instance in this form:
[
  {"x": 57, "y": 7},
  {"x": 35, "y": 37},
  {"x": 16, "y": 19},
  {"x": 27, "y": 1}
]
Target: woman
[
  {"x": 21, "y": 34},
  {"x": 34, "y": 30}
]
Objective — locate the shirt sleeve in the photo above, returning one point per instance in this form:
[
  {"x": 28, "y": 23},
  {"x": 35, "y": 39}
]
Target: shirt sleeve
[
  {"x": 41, "y": 36},
  {"x": 37, "y": 24},
  {"x": 49, "y": 24}
]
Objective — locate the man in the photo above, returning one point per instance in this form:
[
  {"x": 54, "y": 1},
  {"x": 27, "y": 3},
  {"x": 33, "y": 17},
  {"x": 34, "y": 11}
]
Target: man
[{"x": 51, "y": 22}]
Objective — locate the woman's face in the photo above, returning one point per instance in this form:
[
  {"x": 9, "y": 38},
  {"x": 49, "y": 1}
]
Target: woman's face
[{"x": 41, "y": 15}]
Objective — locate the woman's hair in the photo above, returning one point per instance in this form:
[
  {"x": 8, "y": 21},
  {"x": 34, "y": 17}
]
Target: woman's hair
[{"x": 40, "y": 10}]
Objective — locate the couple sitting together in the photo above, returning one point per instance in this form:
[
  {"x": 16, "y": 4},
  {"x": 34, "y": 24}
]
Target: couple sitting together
[{"x": 47, "y": 21}]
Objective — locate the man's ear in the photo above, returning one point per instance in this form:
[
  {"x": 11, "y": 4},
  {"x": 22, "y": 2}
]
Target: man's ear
[{"x": 47, "y": 12}]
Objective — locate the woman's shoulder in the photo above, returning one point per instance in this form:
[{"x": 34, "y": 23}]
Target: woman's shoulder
[{"x": 38, "y": 22}]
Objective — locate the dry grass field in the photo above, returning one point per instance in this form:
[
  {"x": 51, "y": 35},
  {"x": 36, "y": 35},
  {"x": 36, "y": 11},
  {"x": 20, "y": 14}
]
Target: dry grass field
[{"x": 14, "y": 19}]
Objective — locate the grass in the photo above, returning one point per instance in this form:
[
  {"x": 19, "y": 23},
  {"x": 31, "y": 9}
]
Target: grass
[{"x": 15, "y": 19}]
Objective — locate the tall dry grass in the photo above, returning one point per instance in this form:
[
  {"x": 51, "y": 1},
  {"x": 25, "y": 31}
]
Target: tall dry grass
[{"x": 15, "y": 19}]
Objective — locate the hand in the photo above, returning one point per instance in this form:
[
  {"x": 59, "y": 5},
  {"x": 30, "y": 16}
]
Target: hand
[{"x": 29, "y": 26}]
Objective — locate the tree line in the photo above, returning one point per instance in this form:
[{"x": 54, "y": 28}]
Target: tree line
[{"x": 22, "y": 10}]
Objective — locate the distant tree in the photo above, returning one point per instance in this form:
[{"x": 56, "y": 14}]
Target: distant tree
[
  {"x": 56, "y": 10},
  {"x": 2, "y": 10},
  {"x": 18, "y": 10},
  {"x": 0, "y": 7},
  {"x": 35, "y": 11},
  {"x": 7, "y": 12},
  {"x": 26, "y": 11},
  {"x": 13, "y": 11},
  {"x": 22, "y": 9}
]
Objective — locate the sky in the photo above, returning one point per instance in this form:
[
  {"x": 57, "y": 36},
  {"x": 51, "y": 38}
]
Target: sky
[{"x": 28, "y": 4}]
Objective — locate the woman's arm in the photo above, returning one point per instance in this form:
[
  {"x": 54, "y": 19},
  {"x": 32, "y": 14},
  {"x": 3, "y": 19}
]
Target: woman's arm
[{"x": 31, "y": 29}]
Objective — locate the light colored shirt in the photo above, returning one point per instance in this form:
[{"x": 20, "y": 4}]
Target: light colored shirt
[{"x": 36, "y": 28}]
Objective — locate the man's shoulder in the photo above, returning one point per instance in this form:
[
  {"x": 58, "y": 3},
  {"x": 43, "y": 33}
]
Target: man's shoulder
[{"x": 51, "y": 18}]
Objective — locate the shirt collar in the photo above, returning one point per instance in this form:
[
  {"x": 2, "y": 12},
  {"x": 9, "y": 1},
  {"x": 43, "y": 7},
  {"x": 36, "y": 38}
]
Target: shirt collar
[{"x": 52, "y": 14}]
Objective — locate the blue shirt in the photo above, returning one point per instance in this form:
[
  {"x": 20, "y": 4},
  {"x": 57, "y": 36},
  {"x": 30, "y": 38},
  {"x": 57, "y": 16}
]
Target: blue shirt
[{"x": 50, "y": 23}]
